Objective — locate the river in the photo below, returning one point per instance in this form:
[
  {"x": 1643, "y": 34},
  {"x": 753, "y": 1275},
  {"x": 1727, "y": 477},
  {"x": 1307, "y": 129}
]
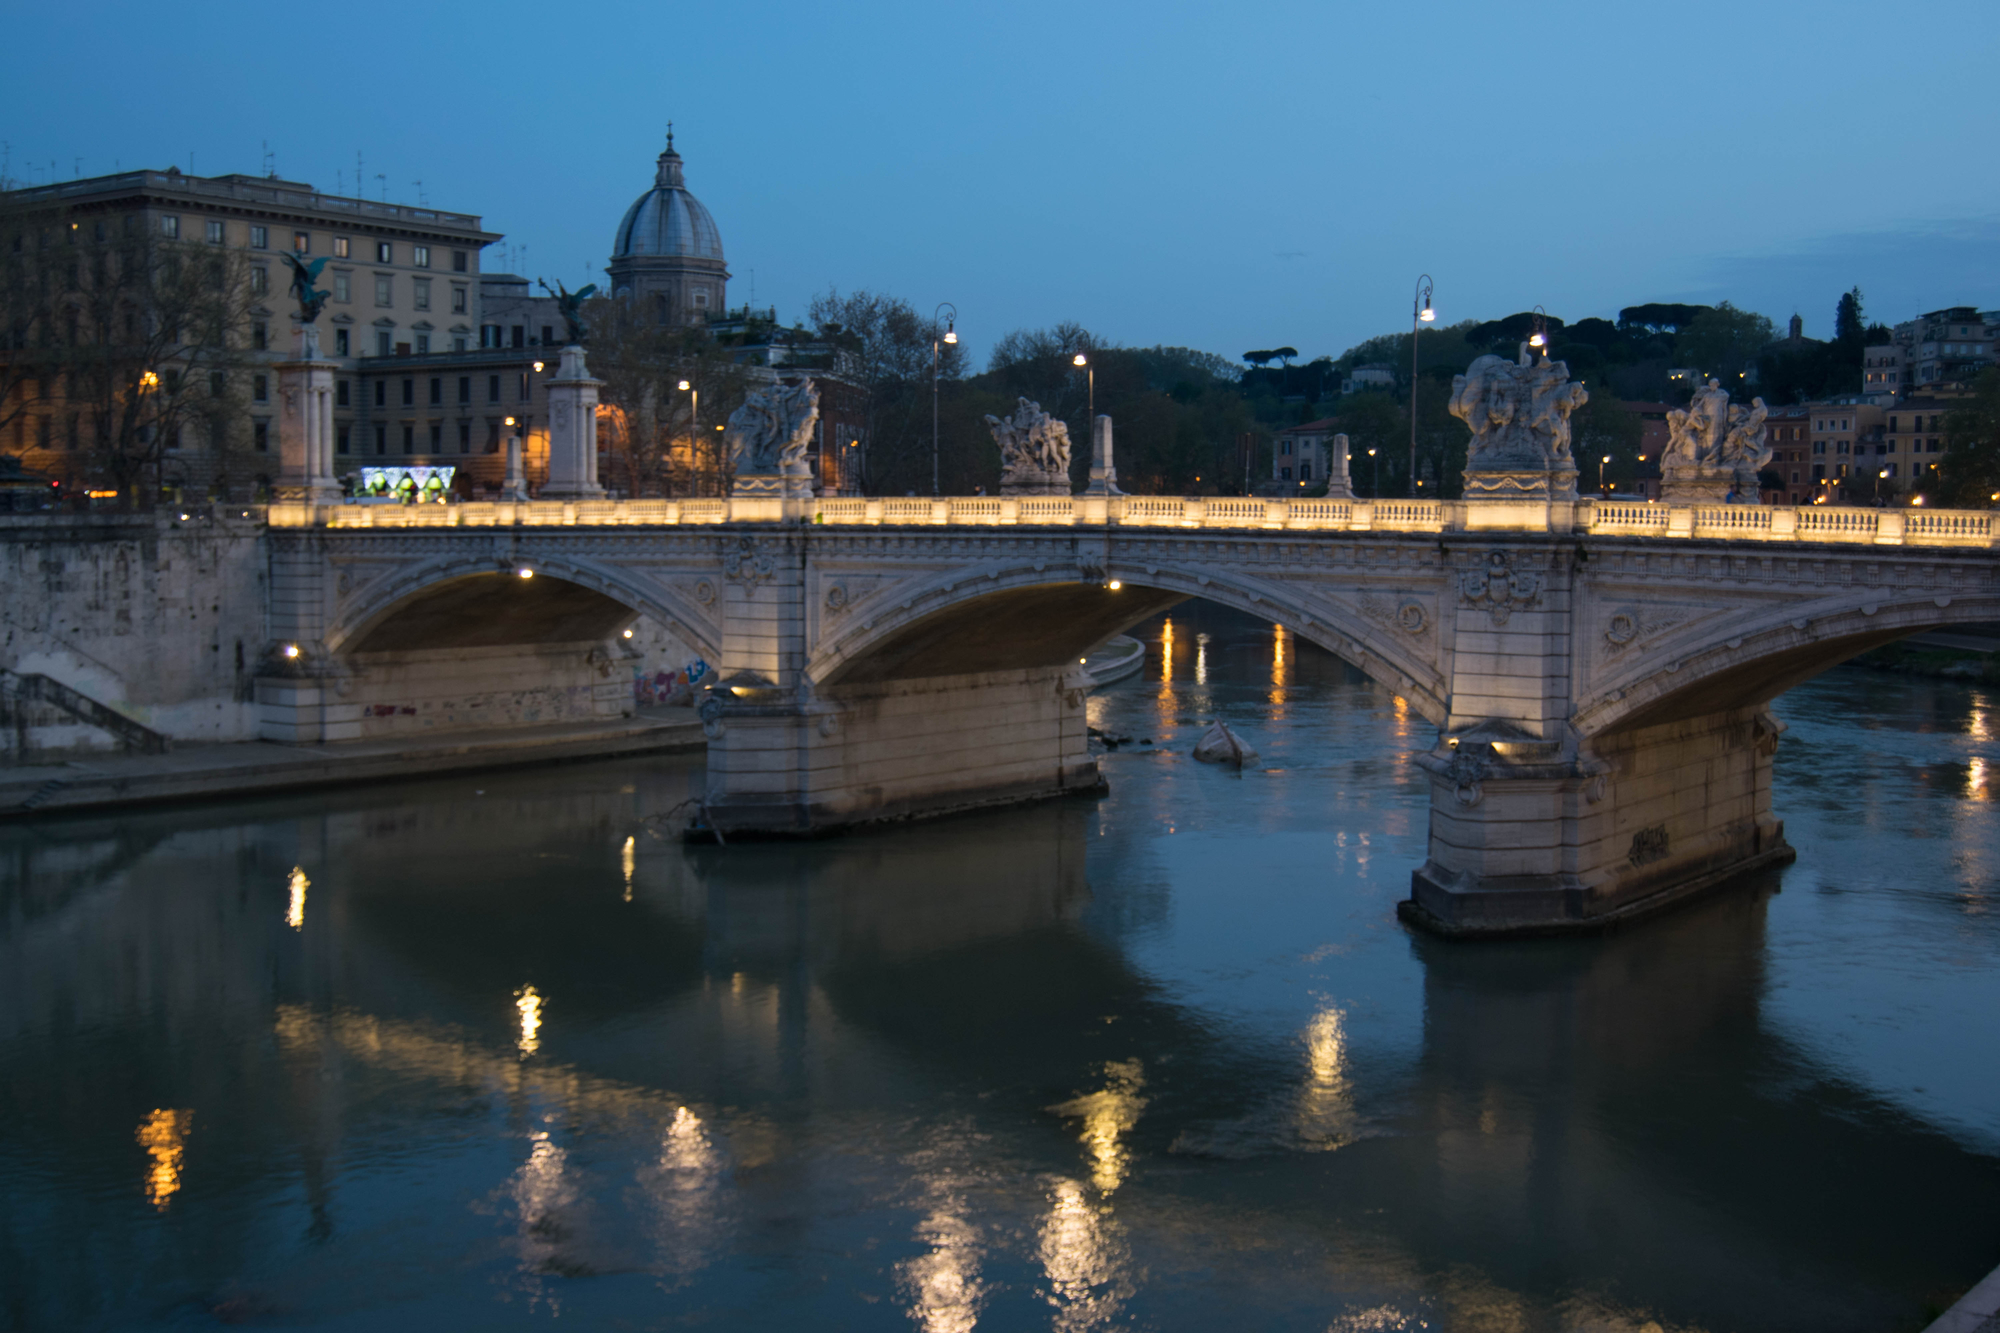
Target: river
[{"x": 494, "y": 1052}]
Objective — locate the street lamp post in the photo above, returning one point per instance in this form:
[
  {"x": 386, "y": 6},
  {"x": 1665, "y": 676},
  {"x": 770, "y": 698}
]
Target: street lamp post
[
  {"x": 1374, "y": 477},
  {"x": 1090, "y": 394},
  {"x": 950, "y": 338},
  {"x": 1420, "y": 315},
  {"x": 694, "y": 418},
  {"x": 1600, "y": 474}
]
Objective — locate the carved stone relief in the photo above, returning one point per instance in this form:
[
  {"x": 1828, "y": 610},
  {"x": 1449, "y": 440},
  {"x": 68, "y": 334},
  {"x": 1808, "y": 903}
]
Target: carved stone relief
[{"x": 1499, "y": 588}]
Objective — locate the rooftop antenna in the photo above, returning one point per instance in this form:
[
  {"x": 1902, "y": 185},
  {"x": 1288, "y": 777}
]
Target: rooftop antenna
[
  {"x": 423, "y": 200},
  {"x": 385, "y": 186},
  {"x": 77, "y": 168},
  {"x": 270, "y": 159},
  {"x": 360, "y": 181},
  {"x": 753, "y": 288}
]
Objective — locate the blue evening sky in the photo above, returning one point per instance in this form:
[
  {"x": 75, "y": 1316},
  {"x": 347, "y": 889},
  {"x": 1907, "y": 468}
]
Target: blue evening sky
[{"x": 1223, "y": 177}]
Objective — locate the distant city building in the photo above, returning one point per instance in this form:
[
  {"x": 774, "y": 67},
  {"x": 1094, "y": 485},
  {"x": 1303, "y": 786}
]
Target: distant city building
[
  {"x": 1915, "y": 436},
  {"x": 1376, "y": 376},
  {"x": 1949, "y": 346},
  {"x": 668, "y": 252},
  {"x": 1789, "y": 433},
  {"x": 1847, "y": 437},
  {"x": 1885, "y": 372},
  {"x": 1300, "y": 457}
]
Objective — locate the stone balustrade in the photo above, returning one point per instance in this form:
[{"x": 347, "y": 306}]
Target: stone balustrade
[{"x": 1762, "y": 523}]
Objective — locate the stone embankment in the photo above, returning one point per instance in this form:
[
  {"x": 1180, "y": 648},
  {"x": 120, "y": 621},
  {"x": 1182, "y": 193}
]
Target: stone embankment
[
  {"x": 202, "y": 772},
  {"x": 1970, "y": 654}
]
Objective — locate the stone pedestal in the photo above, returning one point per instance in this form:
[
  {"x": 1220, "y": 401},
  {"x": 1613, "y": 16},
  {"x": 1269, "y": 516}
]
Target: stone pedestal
[
  {"x": 787, "y": 483},
  {"x": 1686, "y": 482},
  {"x": 305, "y": 430},
  {"x": 1103, "y": 474},
  {"x": 573, "y": 431},
  {"x": 1338, "y": 484},
  {"x": 516, "y": 485},
  {"x": 782, "y": 766},
  {"x": 1541, "y": 483},
  {"x": 1525, "y": 840}
]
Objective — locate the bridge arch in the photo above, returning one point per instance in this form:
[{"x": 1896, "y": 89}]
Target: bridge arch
[
  {"x": 1748, "y": 659},
  {"x": 1013, "y": 614},
  {"x": 470, "y": 601}
]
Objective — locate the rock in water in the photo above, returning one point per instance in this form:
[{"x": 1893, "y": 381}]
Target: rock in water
[{"x": 1220, "y": 745}]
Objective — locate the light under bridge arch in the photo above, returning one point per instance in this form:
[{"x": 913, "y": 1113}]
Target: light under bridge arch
[
  {"x": 1747, "y": 659},
  {"x": 468, "y": 601},
  {"x": 1013, "y": 615}
]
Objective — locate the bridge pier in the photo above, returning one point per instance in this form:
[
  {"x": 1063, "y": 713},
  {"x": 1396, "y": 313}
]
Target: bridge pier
[
  {"x": 1528, "y": 840},
  {"x": 782, "y": 765}
]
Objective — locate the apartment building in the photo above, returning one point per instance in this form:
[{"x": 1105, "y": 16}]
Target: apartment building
[
  {"x": 1846, "y": 435},
  {"x": 1789, "y": 433},
  {"x": 402, "y": 283},
  {"x": 1949, "y": 346}
]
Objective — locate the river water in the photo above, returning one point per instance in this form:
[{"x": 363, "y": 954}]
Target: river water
[{"x": 490, "y": 1052}]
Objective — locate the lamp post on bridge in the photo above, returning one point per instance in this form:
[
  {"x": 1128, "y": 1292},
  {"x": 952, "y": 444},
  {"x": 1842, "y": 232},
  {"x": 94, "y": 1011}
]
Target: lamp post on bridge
[
  {"x": 1420, "y": 315},
  {"x": 694, "y": 417},
  {"x": 1375, "y": 477},
  {"x": 950, "y": 339},
  {"x": 1090, "y": 392}
]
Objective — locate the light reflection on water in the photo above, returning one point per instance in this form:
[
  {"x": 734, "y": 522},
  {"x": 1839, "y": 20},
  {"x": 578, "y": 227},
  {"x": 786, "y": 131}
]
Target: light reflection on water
[{"x": 1036, "y": 1068}]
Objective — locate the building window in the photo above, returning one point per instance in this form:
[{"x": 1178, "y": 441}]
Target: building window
[
  {"x": 340, "y": 440},
  {"x": 520, "y": 335},
  {"x": 385, "y": 289},
  {"x": 260, "y": 337},
  {"x": 385, "y": 253},
  {"x": 343, "y": 288},
  {"x": 340, "y": 247},
  {"x": 437, "y": 390},
  {"x": 216, "y": 382},
  {"x": 458, "y": 300},
  {"x": 302, "y": 242},
  {"x": 215, "y": 231},
  {"x": 465, "y": 388},
  {"x": 526, "y": 392},
  {"x": 170, "y": 227},
  {"x": 260, "y": 436},
  {"x": 260, "y": 238},
  {"x": 260, "y": 280},
  {"x": 420, "y": 255},
  {"x": 340, "y": 342},
  {"x": 492, "y": 388},
  {"x": 465, "y": 437},
  {"x": 1306, "y": 471},
  {"x": 492, "y": 437},
  {"x": 458, "y": 344},
  {"x": 409, "y": 438},
  {"x": 458, "y": 264},
  {"x": 437, "y": 437},
  {"x": 701, "y": 298},
  {"x": 548, "y": 336},
  {"x": 381, "y": 439},
  {"x": 409, "y": 392},
  {"x": 382, "y": 347},
  {"x": 260, "y": 389},
  {"x": 1285, "y": 474},
  {"x": 423, "y": 343},
  {"x": 420, "y": 293}
]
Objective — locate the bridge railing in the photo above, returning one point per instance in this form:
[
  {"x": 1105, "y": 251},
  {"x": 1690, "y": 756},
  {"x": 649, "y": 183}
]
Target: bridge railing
[{"x": 1610, "y": 518}]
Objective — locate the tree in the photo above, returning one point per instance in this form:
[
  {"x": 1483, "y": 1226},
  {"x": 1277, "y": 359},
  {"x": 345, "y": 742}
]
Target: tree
[
  {"x": 884, "y": 348},
  {"x": 122, "y": 342},
  {"x": 1724, "y": 342},
  {"x": 1284, "y": 355},
  {"x": 1260, "y": 359},
  {"x": 1604, "y": 425},
  {"x": 1969, "y": 472},
  {"x": 657, "y": 443},
  {"x": 1847, "y": 323}
]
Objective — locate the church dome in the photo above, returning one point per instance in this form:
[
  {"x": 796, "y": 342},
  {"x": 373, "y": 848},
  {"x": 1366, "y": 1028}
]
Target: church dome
[{"x": 666, "y": 221}]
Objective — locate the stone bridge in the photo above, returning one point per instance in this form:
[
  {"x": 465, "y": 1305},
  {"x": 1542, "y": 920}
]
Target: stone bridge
[{"x": 1598, "y": 673}]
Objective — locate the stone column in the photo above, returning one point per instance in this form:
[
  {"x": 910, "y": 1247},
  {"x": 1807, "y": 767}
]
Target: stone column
[
  {"x": 573, "y": 431},
  {"x": 1103, "y": 475},
  {"x": 1338, "y": 484},
  {"x": 516, "y": 487},
  {"x": 305, "y": 429}
]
